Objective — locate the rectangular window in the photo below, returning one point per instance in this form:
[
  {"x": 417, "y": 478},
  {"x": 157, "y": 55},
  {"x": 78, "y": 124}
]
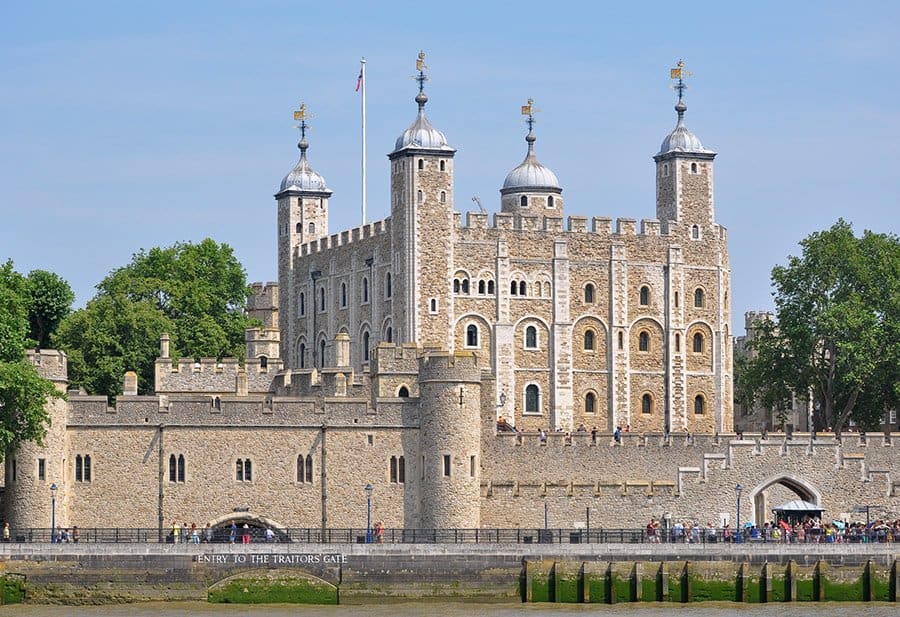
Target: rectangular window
[
  {"x": 13, "y": 470},
  {"x": 42, "y": 469},
  {"x": 447, "y": 465},
  {"x": 892, "y": 416},
  {"x": 472, "y": 465}
]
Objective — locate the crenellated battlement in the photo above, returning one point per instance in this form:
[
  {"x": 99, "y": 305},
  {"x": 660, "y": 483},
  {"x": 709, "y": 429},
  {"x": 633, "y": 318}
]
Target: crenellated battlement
[
  {"x": 601, "y": 226},
  {"x": 225, "y": 375},
  {"x": 447, "y": 366},
  {"x": 52, "y": 364},
  {"x": 344, "y": 238}
]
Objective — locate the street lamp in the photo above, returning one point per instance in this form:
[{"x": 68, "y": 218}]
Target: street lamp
[
  {"x": 737, "y": 491},
  {"x": 53, "y": 489},
  {"x": 369, "y": 488}
]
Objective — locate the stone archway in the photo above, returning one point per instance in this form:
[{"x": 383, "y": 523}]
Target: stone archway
[
  {"x": 759, "y": 496},
  {"x": 256, "y": 524}
]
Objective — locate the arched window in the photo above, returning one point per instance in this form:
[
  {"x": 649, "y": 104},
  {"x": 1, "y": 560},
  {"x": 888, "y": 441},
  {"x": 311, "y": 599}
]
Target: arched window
[
  {"x": 301, "y": 469},
  {"x": 173, "y": 471},
  {"x": 522, "y": 288},
  {"x": 550, "y": 201},
  {"x": 312, "y": 229},
  {"x": 322, "y": 353},
  {"x": 589, "y": 340},
  {"x": 87, "y": 467},
  {"x": 393, "y": 470},
  {"x": 481, "y": 288},
  {"x": 387, "y": 285},
  {"x": 645, "y": 296},
  {"x": 532, "y": 399},
  {"x": 699, "y": 404},
  {"x": 181, "y": 467},
  {"x": 523, "y": 201},
  {"x": 698, "y": 298},
  {"x": 389, "y": 335},
  {"x": 401, "y": 470},
  {"x": 456, "y": 286},
  {"x": 665, "y": 170},
  {"x": 434, "y": 305},
  {"x": 695, "y": 232},
  {"x": 465, "y": 286},
  {"x": 302, "y": 304},
  {"x": 530, "y": 337},
  {"x": 693, "y": 168},
  {"x": 443, "y": 197},
  {"x": 365, "y": 290},
  {"x": 79, "y": 468},
  {"x": 420, "y": 197},
  {"x": 590, "y": 402},
  {"x": 514, "y": 288},
  {"x": 309, "y": 469},
  {"x": 302, "y": 355},
  {"x": 589, "y": 293},
  {"x": 421, "y": 163},
  {"x": 547, "y": 289},
  {"x": 646, "y": 404},
  {"x": 365, "y": 342},
  {"x": 321, "y": 298},
  {"x": 263, "y": 362},
  {"x": 403, "y": 392},
  {"x": 243, "y": 470},
  {"x": 217, "y": 403},
  {"x": 471, "y": 335},
  {"x": 644, "y": 341},
  {"x": 343, "y": 295},
  {"x": 443, "y": 165},
  {"x": 698, "y": 342},
  {"x": 299, "y": 228},
  {"x": 490, "y": 288}
]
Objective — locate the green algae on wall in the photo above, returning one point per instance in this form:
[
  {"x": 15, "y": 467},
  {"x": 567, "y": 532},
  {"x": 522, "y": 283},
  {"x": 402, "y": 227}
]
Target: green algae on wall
[
  {"x": 12, "y": 589},
  {"x": 271, "y": 590}
]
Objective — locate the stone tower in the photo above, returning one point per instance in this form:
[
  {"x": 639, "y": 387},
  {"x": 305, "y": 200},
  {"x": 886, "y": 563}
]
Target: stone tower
[
  {"x": 302, "y": 217},
  {"x": 450, "y": 403},
  {"x": 31, "y": 470},
  {"x": 531, "y": 189},
  {"x": 422, "y": 230}
]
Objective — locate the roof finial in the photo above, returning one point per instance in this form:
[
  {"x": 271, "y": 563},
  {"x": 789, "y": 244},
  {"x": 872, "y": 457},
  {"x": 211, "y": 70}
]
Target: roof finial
[
  {"x": 529, "y": 110},
  {"x": 302, "y": 114},
  {"x": 679, "y": 73},
  {"x": 421, "y": 97}
]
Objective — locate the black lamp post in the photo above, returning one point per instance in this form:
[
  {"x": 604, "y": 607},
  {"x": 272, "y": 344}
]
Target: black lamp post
[
  {"x": 53, "y": 489},
  {"x": 737, "y": 491},
  {"x": 369, "y": 488}
]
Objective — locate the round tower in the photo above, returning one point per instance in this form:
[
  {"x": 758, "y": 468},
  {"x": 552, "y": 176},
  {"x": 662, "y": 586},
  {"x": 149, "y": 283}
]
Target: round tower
[
  {"x": 31, "y": 470},
  {"x": 531, "y": 189},
  {"x": 450, "y": 402}
]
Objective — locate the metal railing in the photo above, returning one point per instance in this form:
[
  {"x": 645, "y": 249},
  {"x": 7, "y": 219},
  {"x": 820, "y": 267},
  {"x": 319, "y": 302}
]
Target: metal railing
[{"x": 257, "y": 535}]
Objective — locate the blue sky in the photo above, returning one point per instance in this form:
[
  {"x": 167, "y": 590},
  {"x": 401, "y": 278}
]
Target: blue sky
[{"x": 127, "y": 125}]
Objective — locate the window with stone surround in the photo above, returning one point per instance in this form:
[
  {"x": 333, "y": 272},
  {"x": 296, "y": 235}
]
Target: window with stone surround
[
  {"x": 473, "y": 466},
  {"x": 621, "y": 341},
  {"x": 365, "y": 345},
  {"x": 644, "y": 341},
  {"x": 365, "y": 290},
  {"x": 176, "y": 468},
  {"x": 698, "y": 342},
  {"x": 443, "y": 197},
  {"x": 243, "y": 470},
  {"x": 647, "y": 404},
  {"x": 443, "y": 165},
  {"x": 472, "y": 335},
  {"x": 490, "y": 288},
  {"x": 693, "y": 168},
  {"x": 699, "y": 298},
  {"x": 550, "y": 201},
  {"x": 446, "y": 458},
  {"x": 532, "y": 399},
  {"x": 304, "y": 469},
  {"x": 677, "y": 342},
  {"x": 343, "y": 295},
  {"x": 321, "y": 299},
  {"x": 522, "y": 288},
  {"x": 433, "y": 306},
  {"x": 387, "y": 285},
  {"x": 699, "y": 404},
  {"x": 82, "y": 468},
  {"x": 531, "y": 341},
  {"x": 590, "y": 402},
  {"x": 397, "y": 469},
  {"x": 403, "y": 392},
  {"x": 590, "y": 340},
  {"x": 301, "y": 355},
  {"x": 421, "y": 163},
  {"x": 523, "y": 201},
  {"x": 695, "y": 232},
  {"x": 42, "y": 469},
  {"x": 589, "y": 293},
  {"x": 644, "y": 299}
]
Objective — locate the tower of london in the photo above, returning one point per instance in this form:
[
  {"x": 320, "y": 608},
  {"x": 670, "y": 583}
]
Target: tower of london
[{"x": 388, "y": 353}]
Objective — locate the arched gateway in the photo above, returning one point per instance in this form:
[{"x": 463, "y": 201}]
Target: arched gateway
[{"x": 759, "y": 495}]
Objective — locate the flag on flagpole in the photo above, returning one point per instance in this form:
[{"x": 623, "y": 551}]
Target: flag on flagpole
[{"x": 359, "y": 80}]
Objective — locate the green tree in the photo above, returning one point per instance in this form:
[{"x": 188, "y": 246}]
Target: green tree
[
  {"x": 23, "y": 392},
  {"x": 195, "y": 292},
  {"x": 49, "y": 300},
  {"x": 837, "y": 332}
]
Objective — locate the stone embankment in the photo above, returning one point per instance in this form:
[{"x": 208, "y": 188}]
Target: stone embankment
[{"x": 352, "y": 573}]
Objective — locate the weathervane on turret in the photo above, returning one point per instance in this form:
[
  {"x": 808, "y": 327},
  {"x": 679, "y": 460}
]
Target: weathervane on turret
[
  {"x": 529, "y": 110},
  {"x": 302, "y": 114},
  {"x": 679, "y": 73},
  {"x": 420, "y": 67}
]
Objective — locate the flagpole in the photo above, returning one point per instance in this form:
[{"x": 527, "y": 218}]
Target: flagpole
[{"x": 362, "y": 72}]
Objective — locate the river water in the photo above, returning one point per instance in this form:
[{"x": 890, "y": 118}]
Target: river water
[{"x": 711, "y": 609}]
